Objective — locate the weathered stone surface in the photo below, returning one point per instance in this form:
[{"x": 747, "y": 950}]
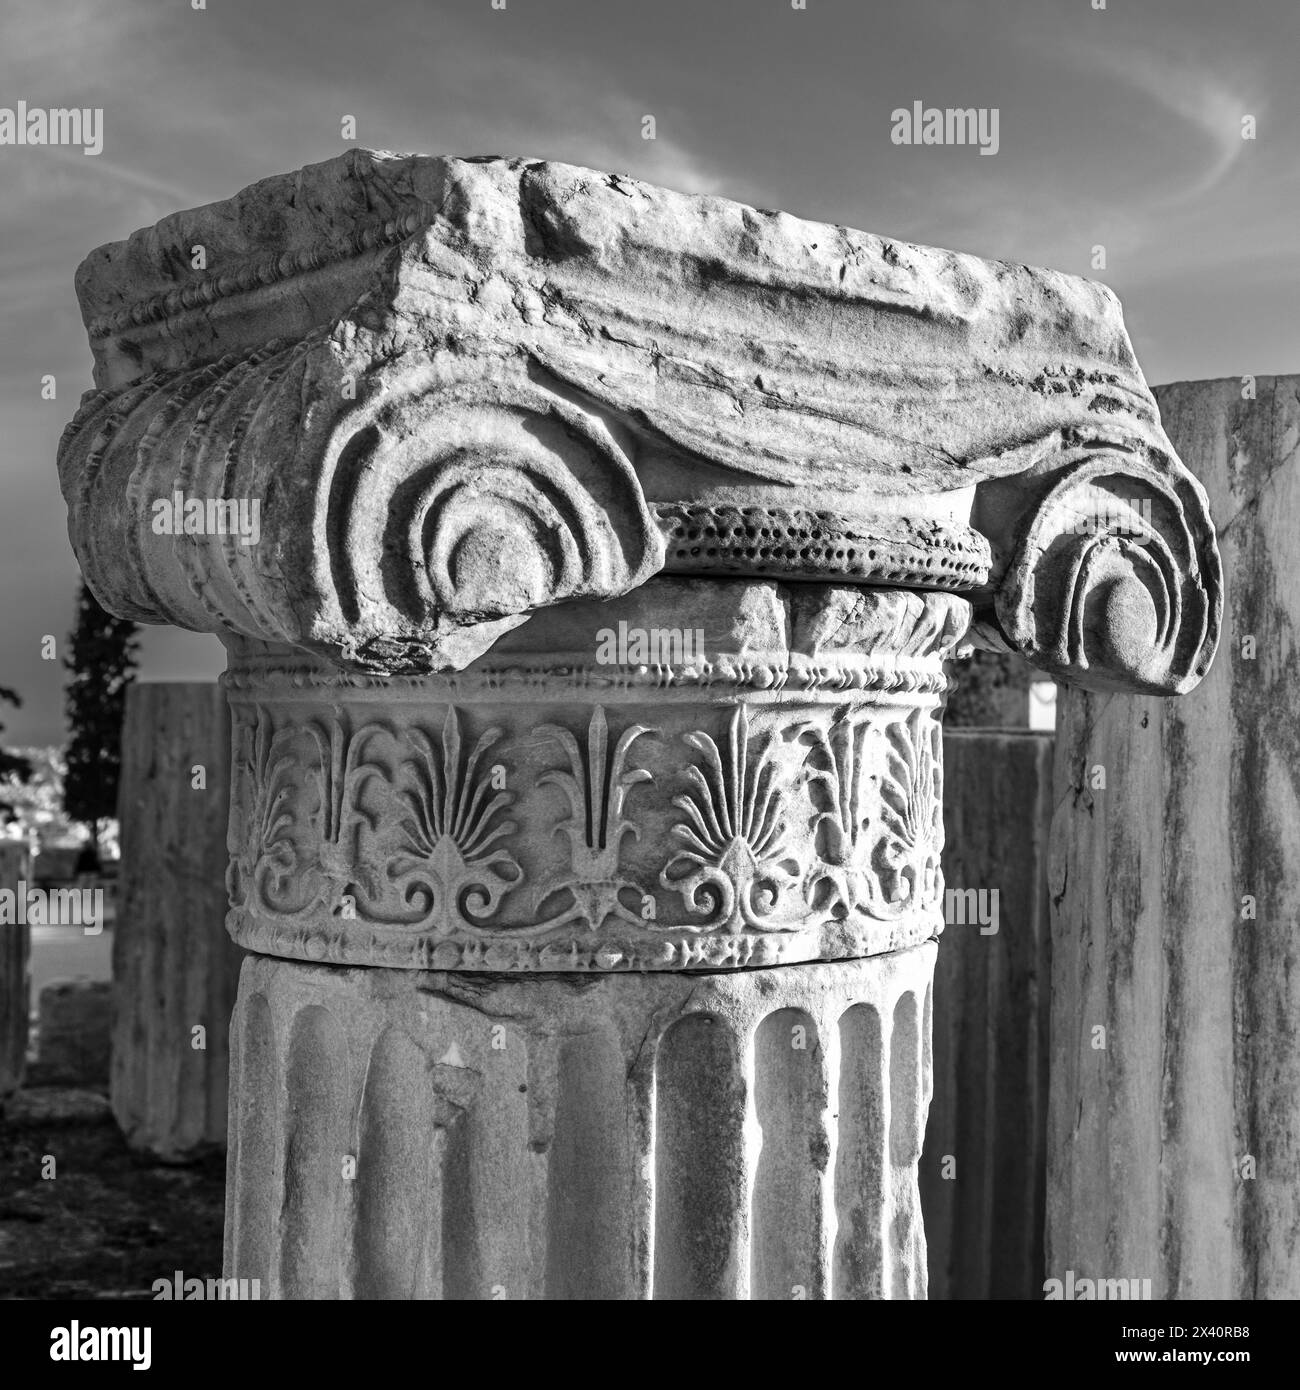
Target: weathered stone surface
[
  {"x": 461, "y": 390},
  {"x": 770, "y": 794},
  {"x": 487, "y": 418},
  {"x": 745, "y": 1134},
  {"x": 15, "y": 975},
  {"x": 1173, "y": 1147},
  {"x": 983, "y": 1175},
  {"x": 175, "y": 968},
  {"x": 74, "y": 1024}
]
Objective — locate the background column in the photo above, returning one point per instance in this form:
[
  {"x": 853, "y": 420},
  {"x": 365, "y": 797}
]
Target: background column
[
  {"x": 175, "y": 968},
  {"x": 1175, "y": 1111}
]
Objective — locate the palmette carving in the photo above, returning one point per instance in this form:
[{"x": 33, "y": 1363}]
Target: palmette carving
[
  {"x": 911, "y": 801},
  {"x": 448, "y": 866},
  {"x": 264, "y": 866},
  {"x": 597, "y": 792},
  {"x": 737, "y": 866}
]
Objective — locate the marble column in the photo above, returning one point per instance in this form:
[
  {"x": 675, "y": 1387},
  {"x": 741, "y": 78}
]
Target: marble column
[
  {"x": 1174, "y": 1134},
  {"x": 590, "y": 560},
  {"x": 15, "y": 973},
  {"x": 175, "y": 969}
]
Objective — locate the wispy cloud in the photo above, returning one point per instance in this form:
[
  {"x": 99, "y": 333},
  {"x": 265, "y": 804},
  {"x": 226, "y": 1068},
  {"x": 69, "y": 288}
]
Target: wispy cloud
[{"x": 1195, "y": 93}]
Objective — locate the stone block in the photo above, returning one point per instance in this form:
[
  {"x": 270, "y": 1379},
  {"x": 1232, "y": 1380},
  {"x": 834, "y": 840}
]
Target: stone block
[{"x": 74, "y": 1025}]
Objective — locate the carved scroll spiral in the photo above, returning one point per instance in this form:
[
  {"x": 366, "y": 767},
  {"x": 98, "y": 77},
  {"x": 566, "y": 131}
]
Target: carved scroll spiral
[
  {"x": 457, "y": 509},
  {"x": 409, "y": 512},
  {"x": 1116, "y": 582}
]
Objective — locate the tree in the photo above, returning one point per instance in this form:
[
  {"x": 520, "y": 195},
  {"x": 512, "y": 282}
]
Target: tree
[
  {"x": 36, "y": 805},
  {"x": 101, "y": 658},
  {"x": 12, "y": 765}
]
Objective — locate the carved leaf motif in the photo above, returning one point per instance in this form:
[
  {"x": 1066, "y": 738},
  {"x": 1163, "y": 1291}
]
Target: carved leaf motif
[
  {"x": 447, "y": 866},
  {"x": 843, "y": 880},
  {"x": 342, "y": 774},
  {"x": 597, "y": 792},
  {"x": 268, "y": 870},
  {"x": 736, "y": 864},
  {"x": 907, "y": 856}
]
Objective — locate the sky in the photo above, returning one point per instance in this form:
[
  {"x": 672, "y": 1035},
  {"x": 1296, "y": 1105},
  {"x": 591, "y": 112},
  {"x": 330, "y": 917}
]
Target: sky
[{"x": 1118, "y": 126}]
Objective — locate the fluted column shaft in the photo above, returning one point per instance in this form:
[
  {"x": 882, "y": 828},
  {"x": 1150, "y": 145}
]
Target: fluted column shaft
[{"x": 663, "y": 1135}]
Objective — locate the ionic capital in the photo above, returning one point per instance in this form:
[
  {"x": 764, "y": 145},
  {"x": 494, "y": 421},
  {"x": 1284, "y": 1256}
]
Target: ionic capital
[{"x": 407, "y": 402}]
